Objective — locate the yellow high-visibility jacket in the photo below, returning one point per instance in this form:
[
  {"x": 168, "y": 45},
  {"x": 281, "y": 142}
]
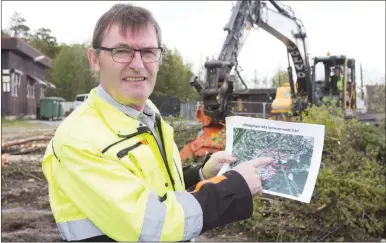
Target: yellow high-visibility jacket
[{"x": 107, "y": 177}]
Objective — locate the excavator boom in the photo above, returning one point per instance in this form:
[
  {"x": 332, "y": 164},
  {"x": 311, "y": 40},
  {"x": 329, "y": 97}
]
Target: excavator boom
[{"x": 276, "y": 19}]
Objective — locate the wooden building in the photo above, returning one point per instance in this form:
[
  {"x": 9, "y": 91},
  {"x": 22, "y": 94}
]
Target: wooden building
[{"x": 23, "y": 78}]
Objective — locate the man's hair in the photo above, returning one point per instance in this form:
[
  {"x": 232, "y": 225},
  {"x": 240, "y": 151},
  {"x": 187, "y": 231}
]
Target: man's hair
[{"x": 126, "y": 16}]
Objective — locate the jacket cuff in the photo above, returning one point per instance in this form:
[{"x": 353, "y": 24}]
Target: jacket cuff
[
  {"x": 191, "y": 175},
  {"x": 224, "y": 199}
]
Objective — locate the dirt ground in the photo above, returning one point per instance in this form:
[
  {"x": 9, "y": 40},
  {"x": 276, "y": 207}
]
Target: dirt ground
[{"x": 26, "y": 213}]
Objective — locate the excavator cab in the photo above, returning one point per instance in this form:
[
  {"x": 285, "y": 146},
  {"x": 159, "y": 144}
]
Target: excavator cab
[{"x": 322, "y": 74}]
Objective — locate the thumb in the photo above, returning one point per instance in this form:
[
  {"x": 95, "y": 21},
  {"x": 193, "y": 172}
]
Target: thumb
[
  {"x": 223, "y": 157},
  {"x": 228, "y": 159},
  {"x": 262, "y": 161}
]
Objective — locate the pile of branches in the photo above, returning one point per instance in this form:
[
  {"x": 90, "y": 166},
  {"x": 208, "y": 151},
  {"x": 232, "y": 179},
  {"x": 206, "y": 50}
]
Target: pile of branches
[
  {"x": 37, "y": 144},
  {"x": 184, "y": 131},
  {"x": 348, "y": 203}
]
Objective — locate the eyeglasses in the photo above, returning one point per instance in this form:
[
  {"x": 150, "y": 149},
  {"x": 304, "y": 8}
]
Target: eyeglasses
[{"x": 126, "y": 54}]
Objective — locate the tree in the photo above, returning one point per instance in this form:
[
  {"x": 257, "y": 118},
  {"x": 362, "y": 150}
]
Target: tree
[
  {"x": 280, "y": 77},
  {"x": 264, "y": 82},
  {"x": 71, "y": 72},
  {"x": 173, "y": 77},
  {"x": 44, "y": 42},
  {"x": 256, "y": 80},
  {"x": 18, "y": 26},
  {"x": 5, "y": 32}
]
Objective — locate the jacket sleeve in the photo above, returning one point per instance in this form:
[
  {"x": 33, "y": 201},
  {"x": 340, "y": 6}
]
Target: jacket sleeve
[
  {"x": 191, "y": 172},
  {"x": 191, "y": 175},
  {"x": 224, "y": 199},
  {"x": 123, "y": 207}
]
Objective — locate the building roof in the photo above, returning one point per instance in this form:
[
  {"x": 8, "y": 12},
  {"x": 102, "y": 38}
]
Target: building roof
[{"x": 21, "y": 46}]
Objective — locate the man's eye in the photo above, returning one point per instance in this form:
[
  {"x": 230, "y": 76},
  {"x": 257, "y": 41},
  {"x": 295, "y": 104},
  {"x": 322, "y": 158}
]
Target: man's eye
[
  {"x": 149, "y": 52},
  {"x": 122, "y": 51}
]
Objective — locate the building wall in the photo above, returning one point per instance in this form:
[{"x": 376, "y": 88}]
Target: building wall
[
  {"x": 4, "y": 95},
  {"x": 21, "y": 105}
]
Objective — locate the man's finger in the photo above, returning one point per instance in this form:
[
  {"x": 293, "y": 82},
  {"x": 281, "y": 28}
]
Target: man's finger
[
  {"x": 229, "y": 159},
  {"x": 262, "y": 161}
]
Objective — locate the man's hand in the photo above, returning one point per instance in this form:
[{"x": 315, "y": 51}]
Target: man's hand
[
  {"x": 214, "y": 164},
  {"x": 250, "y": 170}
]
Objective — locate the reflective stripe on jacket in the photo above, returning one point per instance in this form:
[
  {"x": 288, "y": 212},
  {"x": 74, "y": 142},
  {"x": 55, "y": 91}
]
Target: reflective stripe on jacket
[
  {"x": 339, "y": 83},
  {"x": 106, "y": 176}
]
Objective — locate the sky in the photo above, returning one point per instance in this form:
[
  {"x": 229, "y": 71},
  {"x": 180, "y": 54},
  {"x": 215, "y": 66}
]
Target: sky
[{"x": 195, "y": 29}]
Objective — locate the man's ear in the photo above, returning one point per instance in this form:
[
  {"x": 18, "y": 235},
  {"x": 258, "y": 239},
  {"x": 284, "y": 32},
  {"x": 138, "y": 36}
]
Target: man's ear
[{"x": 93, "y": 59}]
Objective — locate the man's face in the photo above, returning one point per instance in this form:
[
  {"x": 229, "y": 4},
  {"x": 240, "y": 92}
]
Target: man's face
[
  {"x": 120, "y": 80},
  {"x": 337, "y": 72}
]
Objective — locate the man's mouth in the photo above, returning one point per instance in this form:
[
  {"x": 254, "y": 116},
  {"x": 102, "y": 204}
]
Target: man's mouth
[{"x": 134, "y": 79}]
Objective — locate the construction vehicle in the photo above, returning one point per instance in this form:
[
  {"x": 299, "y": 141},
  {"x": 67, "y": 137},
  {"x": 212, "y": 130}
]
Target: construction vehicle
[{"x": 221, "y": 100}]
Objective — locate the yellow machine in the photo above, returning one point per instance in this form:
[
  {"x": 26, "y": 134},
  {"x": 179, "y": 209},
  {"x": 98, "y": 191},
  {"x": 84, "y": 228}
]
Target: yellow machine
[{"x": 319, "y": 86}]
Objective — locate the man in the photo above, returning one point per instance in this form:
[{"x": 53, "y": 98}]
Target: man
[
  {"x": 334, "y": 87},
  {"x": 336, "y": 81},
  {"x": 113, "y": 169}
]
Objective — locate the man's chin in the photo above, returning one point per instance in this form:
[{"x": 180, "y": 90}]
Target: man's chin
[{"x": 134, "y": 99}]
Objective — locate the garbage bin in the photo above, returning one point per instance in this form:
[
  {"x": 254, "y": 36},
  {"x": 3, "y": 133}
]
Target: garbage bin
[{"x": 51, "y": 108}]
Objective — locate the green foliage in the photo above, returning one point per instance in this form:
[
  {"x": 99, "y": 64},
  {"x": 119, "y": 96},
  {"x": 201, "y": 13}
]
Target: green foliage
[
  {"x": 173, "y": 77},
  {"x": 71, "y": 72},
  {"x": 348, "y": 202},
  {"x": 44, "y": 42},
  {"x": 376, "y": 98},
  {"x": 18, "y": 26},
  {"x": 5, "y": 32},
  {"x": 41, "y": 39}
]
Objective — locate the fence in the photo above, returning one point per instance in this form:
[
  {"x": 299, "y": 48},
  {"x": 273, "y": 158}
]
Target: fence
[
  {"x": 251, "y": 108},
  {"x": 244, "y": 108},
  {"x": 188, "y": 110}
]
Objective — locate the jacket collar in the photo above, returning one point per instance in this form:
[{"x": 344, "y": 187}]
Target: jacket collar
[
  {"x": 101, "y": 93},
  {"x": 115, "y": 119}
]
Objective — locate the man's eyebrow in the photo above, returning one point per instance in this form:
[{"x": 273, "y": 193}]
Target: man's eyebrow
[{"x": 124, "y": 45}]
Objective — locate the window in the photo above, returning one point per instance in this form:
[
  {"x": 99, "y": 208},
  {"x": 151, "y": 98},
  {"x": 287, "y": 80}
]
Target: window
[
  {"x": 81, "y": 98},
  {"x": 41, "y": 92},
  {"x": 30, "y": 88},
  {"x": 320, "y": 74},
  {"x": 15, "y": 83}
]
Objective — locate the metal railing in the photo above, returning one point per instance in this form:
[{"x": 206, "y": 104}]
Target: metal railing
[
  {"x": 248, "y": 108},
  {"x": 251, "y": 108}
]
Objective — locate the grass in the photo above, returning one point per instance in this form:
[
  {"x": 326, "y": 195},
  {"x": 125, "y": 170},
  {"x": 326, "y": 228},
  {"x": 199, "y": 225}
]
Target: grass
[{"x": 16, "y": 123}]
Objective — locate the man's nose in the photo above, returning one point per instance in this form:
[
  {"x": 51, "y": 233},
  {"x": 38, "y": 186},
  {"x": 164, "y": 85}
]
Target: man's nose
[{"x": 136, "y": 63}]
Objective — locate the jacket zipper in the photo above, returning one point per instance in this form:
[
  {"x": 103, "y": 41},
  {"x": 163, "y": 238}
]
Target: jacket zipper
[
  {"x": 158, "y": 121},
  {"x": 140, "y": 130}
]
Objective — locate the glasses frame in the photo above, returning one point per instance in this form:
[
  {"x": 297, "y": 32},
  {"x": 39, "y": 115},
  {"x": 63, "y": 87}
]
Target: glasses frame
[{"x": 111, "y": 50}]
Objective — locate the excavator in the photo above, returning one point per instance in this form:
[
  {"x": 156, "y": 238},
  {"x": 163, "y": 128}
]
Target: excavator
[{"x": 221, "y": 100}]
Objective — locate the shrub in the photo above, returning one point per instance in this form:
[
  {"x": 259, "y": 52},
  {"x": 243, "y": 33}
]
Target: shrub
[{"x": 348, "y": 202}]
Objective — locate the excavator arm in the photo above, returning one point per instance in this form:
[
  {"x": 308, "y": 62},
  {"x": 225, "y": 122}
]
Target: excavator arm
[{"x": 276, "y": 19}]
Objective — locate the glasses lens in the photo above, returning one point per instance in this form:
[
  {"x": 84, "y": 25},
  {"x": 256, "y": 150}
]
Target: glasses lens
[
  {"x": 150, "y": 55},
  {"x": 123, "y": 55},
  {"x": 126, "y": 55}
]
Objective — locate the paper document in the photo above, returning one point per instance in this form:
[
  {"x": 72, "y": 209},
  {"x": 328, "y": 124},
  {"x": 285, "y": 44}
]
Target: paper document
[{"x": 295, "y": 147}]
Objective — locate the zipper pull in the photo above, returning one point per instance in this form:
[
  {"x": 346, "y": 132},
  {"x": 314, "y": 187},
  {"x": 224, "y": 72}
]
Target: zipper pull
[{"x": 124, "y": 152}]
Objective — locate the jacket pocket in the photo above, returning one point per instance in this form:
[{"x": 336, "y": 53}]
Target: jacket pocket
[{"x": 149, "y": 163}]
